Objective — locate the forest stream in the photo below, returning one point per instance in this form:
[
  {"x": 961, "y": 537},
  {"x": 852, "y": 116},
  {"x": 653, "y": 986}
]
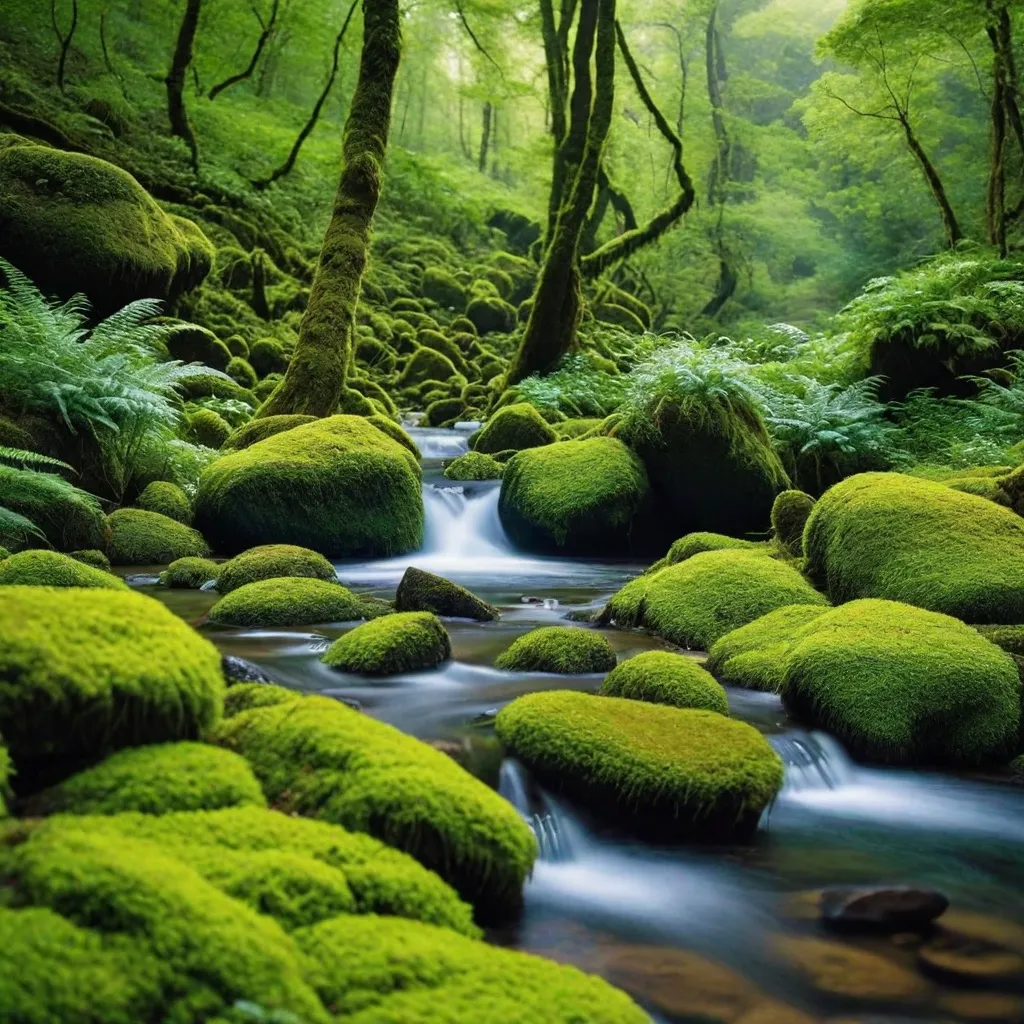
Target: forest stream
[{"x": 727, "y": 933}]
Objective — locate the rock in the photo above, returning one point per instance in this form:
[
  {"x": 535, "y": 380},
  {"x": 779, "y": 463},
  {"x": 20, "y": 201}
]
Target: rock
[
  {"x": 513, "y": 427},
  {"x": 490, "y": 313},
  {"x": 292, "y": 601},
  {"x": 474, "y": 466},
  {"x": 261, "y": 429},
  {"x": 965, "y": 960},
  {"x": 238, "y": 670},
  {"x": 420, "y": 591},
  {"x": 664, "y": 678},
  {"x": 189, "y": 573},
  {"x": 50, "y": 569},
  {"x": 886, "y": 909},
  {"x": 696, "y": 543},
  {"x": 562, "y": 649},
  {"x": 168, "y": 499},
  {"x": 402, "y": 642},
  {"x": 789, "y": 517},
  {"x": 138, "y": 537},
  {"x": 270, "y": 561}
]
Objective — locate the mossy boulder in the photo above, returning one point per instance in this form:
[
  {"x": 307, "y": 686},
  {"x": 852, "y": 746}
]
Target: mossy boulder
[
  {"x": 490, "y": 313},
  {"x": 514, "y": 427},
  {"x": 86, "y": 672},
  {"x": 695, "y": 602},
  {"x": 189, "y": 573},
  {"x": 563, "y": 649},
  {"x": 268, "y": 356},
  {"x": 403, "y": 642},
  {"x": 696, "y": 543},
  {"x": 790, "y": 513},
  {"x": 443, "y": 411},
  {"x": 441, "y": 286},
  {"x": 474, "y": 466},
  {"x": 191, "y": 343},
  {"x": 672, "y": 772},
  {"x": 426, "y": 364},
  {"x": 97, "y": 559},
  {"x": 241, "y": 372},
  {"x": 270, "y": 560},
  {"x": 291, "y": 601},
  {"x": 156, "y": 779},
  {"x": 316, "y": 757},
  {"x": 575, "y": 497},
  {"x": 441, "y": 343},
  {"x": 69, "y": 519},
  {"x": 260, "y": 429},
  {"x": 661, "y": 677},
  {"x": 208, "y": 428},
  {"x": 50, "y": 569},
  {"x": 341, "y": 486},
  {"x": 168, "y": 499},
  {"x": 74, "y": 223},
  {"x": 420, "y": 591},
  {"x": 138, "y": 537},
  {"x": 898, "y": 537}
]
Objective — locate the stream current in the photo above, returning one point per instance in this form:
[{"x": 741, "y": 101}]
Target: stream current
[{"x": 692, "y": 933}]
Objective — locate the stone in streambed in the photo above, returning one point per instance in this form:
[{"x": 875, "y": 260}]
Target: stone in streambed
[
  {"x": 888, "y": 909},
  {"x": 421, "y": 591}
]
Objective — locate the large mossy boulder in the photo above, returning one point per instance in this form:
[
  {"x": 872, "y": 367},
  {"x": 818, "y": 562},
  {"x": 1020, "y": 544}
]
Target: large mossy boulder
[
  {"x": 695, "y": 602},
  {"x": 86, "y": 672},
  {"x": 261, "y": 429},
  {"x": 696, "y": 543},
  {"x": 292, "y": 601},
  {"x": 565, "y": 650},
  {"x": 474, "y": 466},
  {"x": 661, "y": 677},
  {"x": 420, "y": 591},
  {"x": 670, "y": 772},
  {"x": 341, "y": 486},
  {"x": 898, "y": 537},
  {"x": 69, "y": 519},
  {"x": 317, "y": 757},
  {"x": 138, "y": 537},
  {"x": 402, "y": 642},
  {"x": 892, "y": 682},
  {"x": 514, "y": 427},
  {"x": 50, "y": 569},
  {"x": 168, "y": 499},
  {"x": 576, "y": 497},
  {"x": 273, "y": 560},
  {"x": 74, "y": 223}
]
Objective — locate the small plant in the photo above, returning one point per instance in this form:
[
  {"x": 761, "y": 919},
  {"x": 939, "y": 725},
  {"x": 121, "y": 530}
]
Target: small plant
[{"x": 576, "y": 388}]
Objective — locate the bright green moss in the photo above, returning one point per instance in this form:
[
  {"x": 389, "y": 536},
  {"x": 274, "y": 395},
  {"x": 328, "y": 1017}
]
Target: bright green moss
[
  {"x": 694, "y": 603},
  {"x": 515, "y": 426},
  {"x": 191, "y": 343},
  {"x": 420, "y": 591},
  {"x": 442, "y": 287},
  {"x": 401, "y": 972},
  {"x": 610, "y": 313},
  {"x": 474, "y": 466},
  {"x": 572, "y": 429},
  {"x": 168, "y": 499},
  {"x": 441, "y": 343},
  {"x": 790, "y": 513},
  {"x": 85, "y": 672},
  {"x": 897, "y": 537},
  {"x": 4, "y": 553},
  {"x": 444, "y": 410},
  {"x": 663, "y": 678},
  {"x": 270, "y": 560},
  {"x": 426, "y": 364},
  {"x": 695, "y": 543},
  {"x": 189, "y": 573},
  {"x": 207, "y": 428},
  {"x": 6, "y": 771},
  {"x": 1008, "y": 638},
  {"x": 316, "y": 757},
  {"x": 260, "y": 429},
  {"x": 574, "y": 497},
  {"x": 241, "y": 372},
  {"x": 50, "y": 569},
  {"x": 491, "y": 313},
  {"x": 268, "y": 356},
  {"x": 210, "y": 386},
  {"x": 403, "y": 642},
  {"x": 246, "y": 696},
  {"x": 69, "y": 519},
  {"x": 341, "y": 486},
  {"x": 396, "y": 433},
  {"x": 156, "y": 779},
  {"x": 97, "y": 559},
  {"x": 673, "y": 771},
  {"x": 563, "y": 649},
  {"x": 138, "y": 537},
  {"x": 291, "y": 601}
]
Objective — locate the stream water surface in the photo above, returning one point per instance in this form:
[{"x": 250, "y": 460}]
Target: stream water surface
[{"x": 693, "y": 933}]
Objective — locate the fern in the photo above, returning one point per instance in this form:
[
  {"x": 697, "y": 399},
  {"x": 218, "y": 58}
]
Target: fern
[{"x": 25, "y": 458}]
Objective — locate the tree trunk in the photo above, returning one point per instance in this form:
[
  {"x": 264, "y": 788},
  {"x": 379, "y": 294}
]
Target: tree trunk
[
  {"x": 175, "y": 81},
  {"x": 954, "y": 234},
  {"x": 715, "y": 61},
  {"x": 315, "y": 379},
  {"x": 267, "y": 31},
  {"x": 485, "y": 138},
  {"x": 995, "y": 197},
  {"x": 63, "y": 40}
]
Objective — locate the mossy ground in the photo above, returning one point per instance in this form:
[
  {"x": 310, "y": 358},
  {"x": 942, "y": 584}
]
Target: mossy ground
[
  {"x": 562, "y": 649},
  {"x": 273, "y": 560},
  {"x": 402, "y": 642},
  {"x": 292, "y": 601},
  {"x": 660, "y": 677}
]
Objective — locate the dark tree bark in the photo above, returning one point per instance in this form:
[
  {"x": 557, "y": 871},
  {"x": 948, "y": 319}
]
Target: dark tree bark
[
  {"x": 260, "y": 306},
  {"x": 307, "y": 128},
  {"x": 175, "y": 81},
  {"x": 266, "y": 32},
  {"x": 995, "y": 197},
  {"x": 485, "y": 137},
  {"x": 62, "y": 39},
  {"x": 315, "y": 380}
]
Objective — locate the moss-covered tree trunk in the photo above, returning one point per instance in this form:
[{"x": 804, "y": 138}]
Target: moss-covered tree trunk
[
  {"x": 316, "y": 375},
  {"x": 175, "y": 81}
]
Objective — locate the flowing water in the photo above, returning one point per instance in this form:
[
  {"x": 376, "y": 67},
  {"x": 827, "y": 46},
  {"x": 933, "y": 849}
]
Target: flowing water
[{"x": 693, "y": 933}]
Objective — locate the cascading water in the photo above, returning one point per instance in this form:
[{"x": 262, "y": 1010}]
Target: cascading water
[{"x": 553, "y": 829}]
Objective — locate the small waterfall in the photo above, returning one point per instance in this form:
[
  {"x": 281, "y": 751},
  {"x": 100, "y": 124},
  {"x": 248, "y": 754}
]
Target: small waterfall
[
  {"x": 813, "y": 761},
  {"x": 463, "y": 523},
  {"x": 552, "y": 830}
]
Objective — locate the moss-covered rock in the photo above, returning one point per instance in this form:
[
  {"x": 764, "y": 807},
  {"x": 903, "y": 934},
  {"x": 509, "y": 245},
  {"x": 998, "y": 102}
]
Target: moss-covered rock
[
  {"x": 241, "y": 372},
  {"x": 292, "y": 601},
  {"x": 191, "y": 343},
  {"x": 442, "y": 287},
  {"x": 403, "y": 642},
  {"x": 316, "y": 757},
  {"x": 562, "y": 649},
  {"x": 84, "y": 672},
  {"x": 74, "y": 223},
  {"x": 420, "y": 591},
  {"x": 270, "y": 560},
  {"x": 260, "y": 429},
  {"x": 208, "y": 428},
  {"x": 341, "y": 486},
  {"x": 449, "y": 349},
  {"x": 156, "y": 779},
  {"x": 4, "y": 553},
  {"x": 660, "y": 677},
  {"x": 68, "y": 519},
  {"x": 790, "y": 513},
  {"x": 696, "y": 543},
  {"x": 443, "y": 411},
  {"x": 189, "y": 573},
  {"x": 491, "y": 313},
  {"x": 50, "y": 569},
  {"x": 514, "y": 427},
  {"x": 697, "y": 601},
  {"x": 575, "y": 497},
  {"x": 138, "y": 537},
  {"x": 97, "y": 559},
  {"x": 474, "y": 466},
  {"x": 671, "y": 771},
  {"x": 426, "y": 364},
  {"x": 268, "y": 356},
  {"x": 168, "y": 499}
]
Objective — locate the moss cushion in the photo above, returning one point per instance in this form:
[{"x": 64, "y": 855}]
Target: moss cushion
[
  {"x": 50, "y": 569},
  {"x": 168, "y": 499},
  {"x": 514, "y": 427},
  {"x": 696, "y": 543},
  {"x": 474, "y": 466},
  {"x": 420, "y": 591},
  {"x": 189, "y": 573},
  {"x": 287, "y": 601},
  {"x": 69, "y": 519},
  {"x": 138, "y": 537},
  {"x": 563, "y": 649},
  {"x": 664, "y": 678},
  {"x": 403, "y": 642},
  {"x": 261, "y": 429},
  {"x": 790, "y": 513},
  {"x": 272, "y": 560}
]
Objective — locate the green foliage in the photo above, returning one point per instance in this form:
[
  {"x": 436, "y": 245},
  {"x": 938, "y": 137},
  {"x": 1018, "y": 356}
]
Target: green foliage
[
  {"x": 138, "y": 537},
  {"x": 402, "y": 642},
  {"x": 272, "y": 560},
  {"x": 561, "y": 649},
  {"x": 285, "y": 601},
  {"x": 50, "y": 569},
  {"x": 44, "y": 508},
  {"x": 420, "y": 591},
  {"x": 659, "y": 677},
  {"x": 577, "y": 388}
]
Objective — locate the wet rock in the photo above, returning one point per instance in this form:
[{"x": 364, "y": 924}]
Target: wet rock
[
  {"x": 884, "y": 909},
  {"x": 984, "y": 1007},
  {"x": 485, "y": 717},
  {"x": 421, "y": 591},
  {"x": 530, "y": 599},
  {"x": 452, "y": 748},
  {"x": 966, "y": 960},
  {"x": 238, "y": 670}
]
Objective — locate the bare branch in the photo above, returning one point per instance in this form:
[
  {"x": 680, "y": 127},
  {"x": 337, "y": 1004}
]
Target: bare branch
[{"x": 476, "y": 42}]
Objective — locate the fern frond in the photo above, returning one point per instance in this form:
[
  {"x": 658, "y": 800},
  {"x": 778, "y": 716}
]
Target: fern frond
[{"x": 27, "y": 458}]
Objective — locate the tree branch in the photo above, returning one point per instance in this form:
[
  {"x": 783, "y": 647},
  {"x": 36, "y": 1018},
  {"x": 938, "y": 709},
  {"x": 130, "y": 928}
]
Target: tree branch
[
  {"x": 476, "y": 42},
  {"x": 268, "y": 31}
]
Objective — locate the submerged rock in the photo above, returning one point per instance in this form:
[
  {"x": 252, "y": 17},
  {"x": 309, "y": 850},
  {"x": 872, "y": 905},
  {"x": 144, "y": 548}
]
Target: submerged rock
[
  {"x": 886, "y": 909},
  {"x": 660, "y": 677},
  {"x": 189, "y": 573}
]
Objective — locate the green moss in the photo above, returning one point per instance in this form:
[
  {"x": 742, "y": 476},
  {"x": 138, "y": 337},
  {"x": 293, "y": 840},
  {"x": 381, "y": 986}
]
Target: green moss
[
  {"x": 191, "y": 343},
  {"x": 445, "y": 410},
  {"x": 97, "y": 559},
  {"x": 420, "y": 591},
  {"x": 697, "y": 601},
  {"x": 897, "y": 537},
  {"x": 189, "y": 573},
  {"x": 286, "y": 601},
  {"x": 491, "y": 313},
  {"x": 209, "y": 386},
  {"x": 438, "y": 342},
  {"x": 268, "y": 356},
  {"x": 50, "y": 569},
  {"x": 260, "y": 429},
  {"x": 673, "y": 771},
  {"x": 267, "y": 387},
  {"x": 138, "y": 537},
  {"x": 426, "y": 364},
  {"x": 610, "y": 313},
  {"x": 156, "y": 779},
  {"x": 316, "y": 757},
  {"x": 790, "y": 513},
  {"x": 1008, "y": 638},
  {"x": 474, "y": 466},
  {"x": 562, "y": 649},
  {"x": 403, "y": 642},
  {"x": 84, "y": 672},
  {"x": 4, "y": 553},
  {"x": 696, "y": 543},
  {"x": 69, "y": 519},
  {"x": 270, "y": 560},
  {"x": 396, "y": 433},
  {"x": 241, "y": 372},
  {"x": 442, "y": 287},
  {"x": 341, "y": 486},
  {"x": 207, "y": 428},
  {"x": 571, "y": 429},
  {"x": 237, "y": 346},
  {"x": 574, "y": 497},
  {"x": 515, "y": 426},
  {"x": 375, "y": 355},
  {"x": 246, "y": 696},
  {"x": 168, "y": 499},
  {"x": 663, "y": 678}
]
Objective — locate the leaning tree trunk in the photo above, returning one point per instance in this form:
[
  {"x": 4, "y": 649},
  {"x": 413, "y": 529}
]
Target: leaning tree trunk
[
  {"x": 315, "y": 378},
  {"x": 950, "y": 223},
  {"x": 175, "y": 81}
]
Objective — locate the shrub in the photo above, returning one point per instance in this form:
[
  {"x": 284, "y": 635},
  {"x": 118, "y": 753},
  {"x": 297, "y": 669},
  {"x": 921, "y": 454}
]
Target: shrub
[
  {"x": 168, "y": 499},
  {"x": 50, "y": 569},
  {"x": 420, "y": 591},
  {"x": 138, "y": 537},
  {"x": 663, "y": 678},
  {"x": 789, "y": 517},
  {"x": 284, "y": 601},
  {"x": 270, "y": 560},
  {"x": 671, "y": 771},
  {"x": 514, "y": 427},
  {"x": 561, "y": 649},
  {"x": 474, "y": 466},
  {"x": 403, "y": 642},
  {"x": 189, "y": 573}
]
